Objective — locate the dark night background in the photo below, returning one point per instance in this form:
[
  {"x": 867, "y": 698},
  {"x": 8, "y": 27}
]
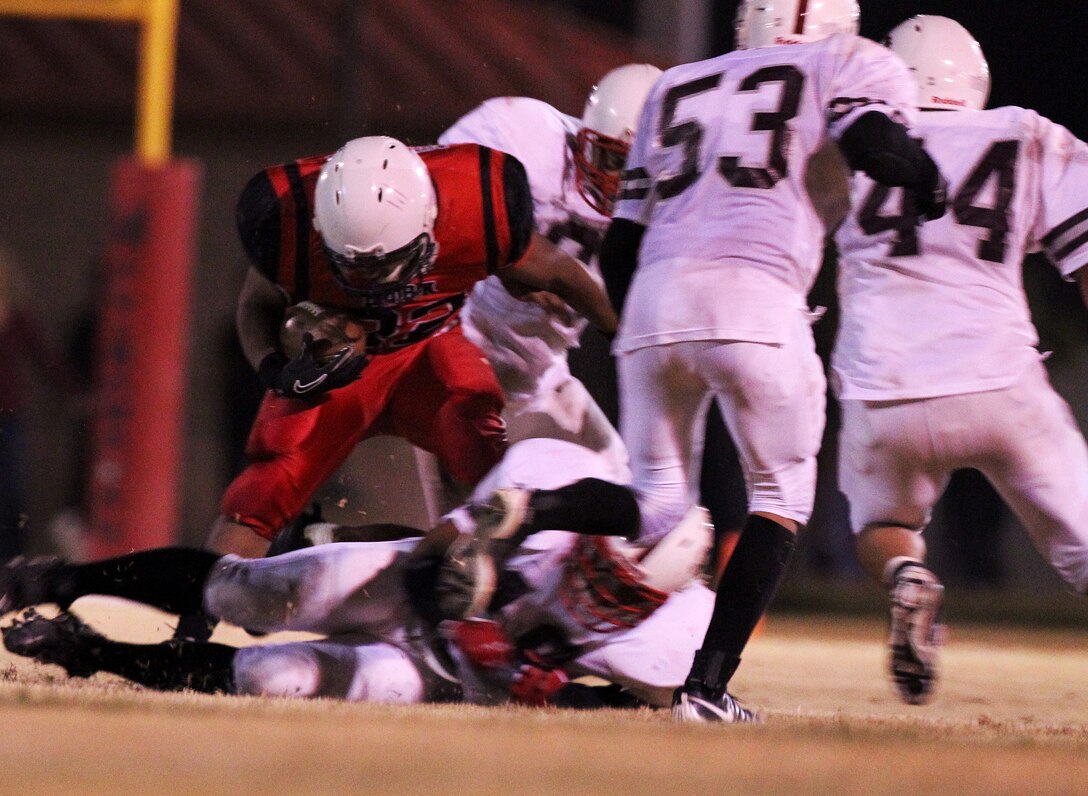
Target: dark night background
[{"x": 1037, "y": 50}]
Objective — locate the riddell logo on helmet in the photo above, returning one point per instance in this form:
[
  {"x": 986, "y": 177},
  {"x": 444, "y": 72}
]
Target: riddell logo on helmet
[
  {"x": 788, "y": 40},
  {"x": 949, "y": 101}
]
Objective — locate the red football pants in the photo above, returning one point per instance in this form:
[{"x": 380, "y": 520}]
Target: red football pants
[{"x": 441, "y": 395}]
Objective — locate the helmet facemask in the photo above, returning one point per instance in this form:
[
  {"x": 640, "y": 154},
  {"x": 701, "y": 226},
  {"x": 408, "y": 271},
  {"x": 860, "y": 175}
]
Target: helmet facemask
[
  {"x": 609, "y": 122},
  {"x": 369, "y": 272},
  {"x": 598, "y": 161}
]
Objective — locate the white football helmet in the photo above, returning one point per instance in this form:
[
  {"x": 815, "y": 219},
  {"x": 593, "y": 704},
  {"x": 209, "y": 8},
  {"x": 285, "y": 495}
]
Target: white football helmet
[
  {"x": 609, "y": 122},
  {"x": 611, "y": 584},
  {"x": 946, "y": 62},
  {"x": 764, "y": 23},
  {"x": 375, "y": 207}
]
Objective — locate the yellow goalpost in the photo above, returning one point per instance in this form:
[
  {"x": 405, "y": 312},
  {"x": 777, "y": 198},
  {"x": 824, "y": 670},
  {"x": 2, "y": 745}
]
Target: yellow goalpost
[{"x": 158, "y": 21}]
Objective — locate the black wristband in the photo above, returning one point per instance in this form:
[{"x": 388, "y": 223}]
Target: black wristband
[{"x": 270, "y": 368}]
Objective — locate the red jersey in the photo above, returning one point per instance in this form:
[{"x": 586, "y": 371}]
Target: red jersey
[{"x": 484, "y": 223}]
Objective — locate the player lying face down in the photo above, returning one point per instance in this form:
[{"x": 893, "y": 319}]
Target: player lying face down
[{"x": 565, "y": 607}]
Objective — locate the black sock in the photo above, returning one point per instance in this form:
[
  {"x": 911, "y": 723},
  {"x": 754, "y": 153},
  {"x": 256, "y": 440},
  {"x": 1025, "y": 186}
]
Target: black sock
[
  {"x": 748, "y": 584},
  {"x": 175, "y": 665},
  {"x": 168, "y": 578},
  {"x": 589, "y": 506}
]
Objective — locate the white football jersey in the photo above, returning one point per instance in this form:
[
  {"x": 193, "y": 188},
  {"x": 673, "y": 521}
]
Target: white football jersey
[
  {"x": 939, "y": 308},
  {"x": 540, "y": 137},
  {"x": 716, "y": 174}
]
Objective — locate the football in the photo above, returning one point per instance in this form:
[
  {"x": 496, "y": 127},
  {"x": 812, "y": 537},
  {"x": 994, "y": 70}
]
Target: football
[{"x": 331, "y": 330}]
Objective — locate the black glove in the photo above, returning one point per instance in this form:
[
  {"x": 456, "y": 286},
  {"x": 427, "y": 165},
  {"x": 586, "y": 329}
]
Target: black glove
[
  {"x": 303, "y": 378},
  {"x": 931, "y": 197}
]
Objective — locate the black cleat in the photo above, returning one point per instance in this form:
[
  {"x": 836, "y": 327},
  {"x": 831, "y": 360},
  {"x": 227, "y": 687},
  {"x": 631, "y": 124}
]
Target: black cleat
[
  {"x": 915, "y": 633},
  {"x": 694, "y": 705},
  {"x": 25, "y": 582},
  {"x": 64, "y": 641},
  {"x": 293, "y": 536}
]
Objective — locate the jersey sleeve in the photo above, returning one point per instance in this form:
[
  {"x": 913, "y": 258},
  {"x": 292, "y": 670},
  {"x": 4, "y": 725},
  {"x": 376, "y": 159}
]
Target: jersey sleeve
[
  {"x": 1061, "y": 225},
  {"x": 257, "y": 217},
  {"x": 868, "y": 77},
  {"x": 518, "y": 201}
]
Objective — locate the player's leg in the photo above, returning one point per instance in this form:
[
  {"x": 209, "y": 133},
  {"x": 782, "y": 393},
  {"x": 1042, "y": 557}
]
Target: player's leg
[
  {"x": 665, "y": 397},
  {"x": 293, "y": 448},
  {"x": 170, "y": 578},
  {"x": 337, "y": 668},
  {"x": 889, "y": 471},
  {"x": 450, "y": 403},
  {"x": 494, "y": 529},
  {"x": 1040, "y": 467},
  {"x": 722, "y": 490},
  {"x": 169, "y": 666},
  {"x": 562, "y": 408},
  {"x": 325, "y": 589},
  {"x": 772, "y": 399}
]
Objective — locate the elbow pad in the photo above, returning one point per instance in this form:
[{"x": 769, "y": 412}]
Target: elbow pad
[{"x": 884, "y": 150}]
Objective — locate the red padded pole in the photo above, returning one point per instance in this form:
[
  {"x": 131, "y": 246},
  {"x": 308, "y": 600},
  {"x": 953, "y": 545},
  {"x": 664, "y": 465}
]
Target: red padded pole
[{"x": 136, "y": 475}]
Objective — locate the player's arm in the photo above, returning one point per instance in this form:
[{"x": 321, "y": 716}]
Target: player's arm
[
  {"x": 883, "y": 149},
  {"x": 619, "y": 258},
  {"x": 547, "y": 267},
  {"x": 534, "y": 263},
  {"x": 258, "y": 316},
  {"x": 874, "y": 98}
]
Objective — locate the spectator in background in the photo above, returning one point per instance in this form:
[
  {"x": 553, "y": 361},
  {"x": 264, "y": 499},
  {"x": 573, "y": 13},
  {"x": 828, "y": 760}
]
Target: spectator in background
[{"x": 24, "y": 349}]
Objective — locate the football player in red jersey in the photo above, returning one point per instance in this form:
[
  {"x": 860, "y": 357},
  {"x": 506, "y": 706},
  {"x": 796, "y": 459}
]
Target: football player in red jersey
[{"x": 395, "y": 236}]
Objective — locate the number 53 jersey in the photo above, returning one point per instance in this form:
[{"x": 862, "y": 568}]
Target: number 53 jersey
[
  {"x": 939, "y": 309},
  {"x": 717, "y": 175}
]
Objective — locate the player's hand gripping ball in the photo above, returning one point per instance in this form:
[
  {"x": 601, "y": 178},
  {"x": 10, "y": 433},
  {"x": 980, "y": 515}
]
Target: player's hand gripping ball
[
  {"x": 331, "y": 331},
  {"x": 321, "y": 350}
]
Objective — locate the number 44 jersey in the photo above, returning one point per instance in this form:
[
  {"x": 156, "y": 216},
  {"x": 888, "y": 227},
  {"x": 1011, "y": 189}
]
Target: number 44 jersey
[
  {"x": 939, "y": 309},
  {"x": 717, "y": 175}
]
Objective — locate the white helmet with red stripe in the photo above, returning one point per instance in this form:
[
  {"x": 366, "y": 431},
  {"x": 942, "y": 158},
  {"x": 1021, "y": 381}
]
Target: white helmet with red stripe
[
  {"x": 946, "y": 61},
  {"x": 609, "y": 122},
  {"x": 764, "y": 23}
]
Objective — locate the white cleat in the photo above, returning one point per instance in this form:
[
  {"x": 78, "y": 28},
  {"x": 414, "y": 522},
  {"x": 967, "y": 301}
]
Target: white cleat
[
  {"x": 691, "y": 707},
  {"x": 915, "y": 632}
]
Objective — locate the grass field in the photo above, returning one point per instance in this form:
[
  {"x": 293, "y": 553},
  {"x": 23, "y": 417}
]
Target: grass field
[{"x": 1010, "y": 716}]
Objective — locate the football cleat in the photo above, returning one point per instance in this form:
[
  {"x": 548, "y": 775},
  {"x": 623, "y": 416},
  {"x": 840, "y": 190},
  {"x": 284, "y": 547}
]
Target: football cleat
[
  {"x": 915, "y": 632},
  {"x": 695, "y": 705},
  {"x": 25, "y": 582},
  {"x": 468, "y": 574},
  {"x": 295, "y": 535},
  {"x": 63, "y": 641}
]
